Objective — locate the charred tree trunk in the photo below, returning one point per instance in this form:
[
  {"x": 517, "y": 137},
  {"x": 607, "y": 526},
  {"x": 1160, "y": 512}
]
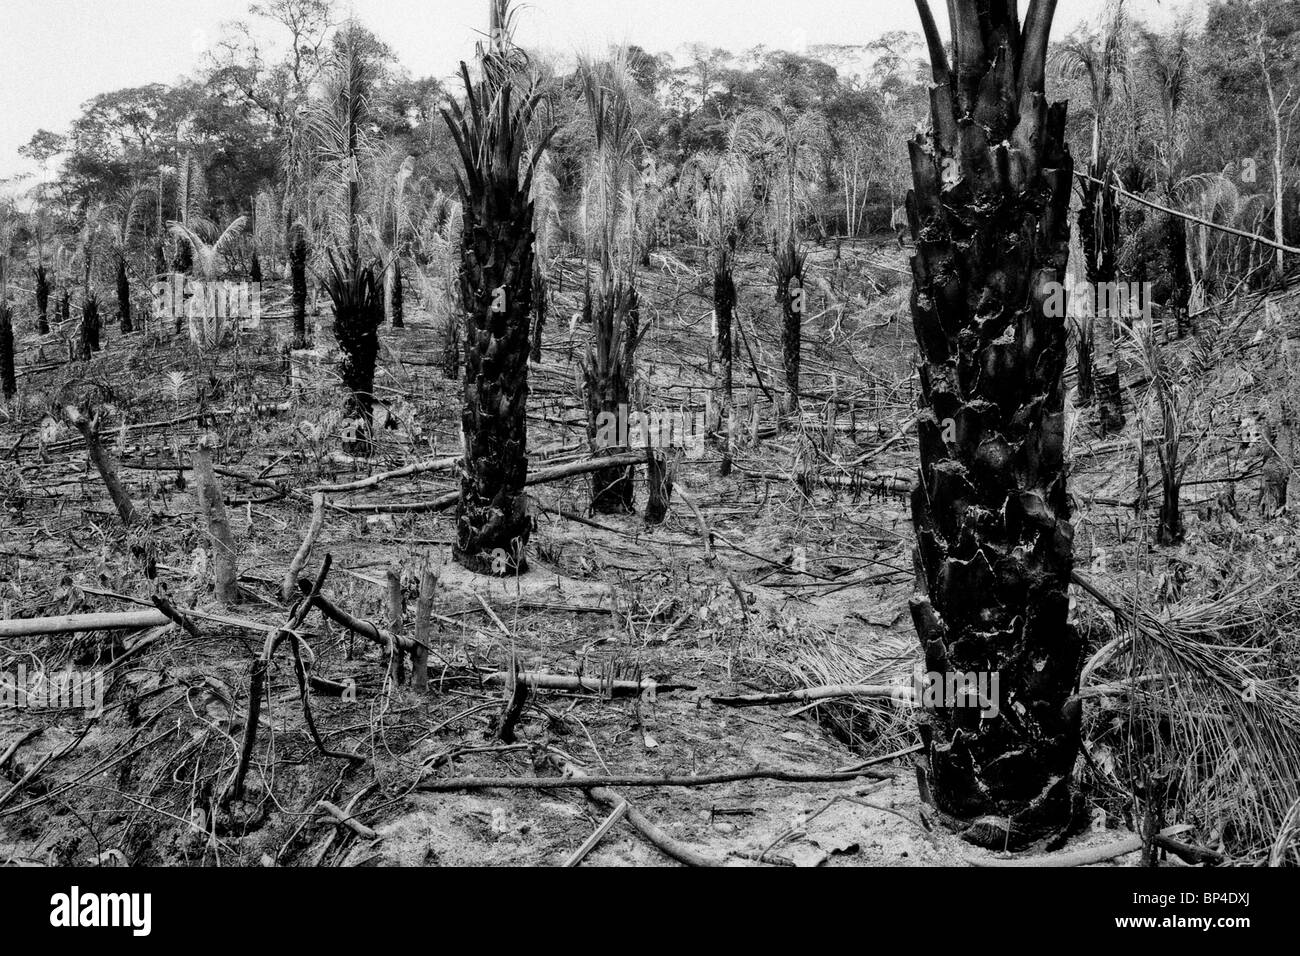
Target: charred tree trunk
[
  {"x": 789, "y": 292},
  {"x": 540, "y": 305},
  {"x": 358, "y": 299},
  {"x": 123, "y": 297},
  {"x": 42, "y": 301},
  {"x": 65, "y": 309},
  {"x": 989, "y": 218},
  {"x": 1099, "y": 220},
  {"x": 159, "y": 260},
  {"x": 298, "y": 275},
  {"x": 607, "y": 392},
  {"x": 8, "y": 378},
  {"x": 89, "y": 326},
  {"x": 724, "y": 310},
  {"x": 255, "y": 268},
  {"x": 395, "y": 302}
]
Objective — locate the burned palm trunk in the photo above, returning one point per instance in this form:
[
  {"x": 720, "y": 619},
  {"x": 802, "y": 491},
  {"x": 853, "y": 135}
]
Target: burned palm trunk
[
  {"x": 42, "y": 301},
  {"x": 1099, "y": 237},
  {"x": 724, "y": 311},
  {"x": 540, "y": 305},
  {"x": 298, "y": 278},
  {"x": 123, "y": 297},
  {"x": 358, "y": 300},
  {"x": 255, "y": 268},
  {"x": 159, "y": 260},
  {"x": 789, "y": 292},
  {"x": 8, "y": 379},
  {"x": 492, "y": 520},
  {"x": 606, "y": 390},
  {"x": 989, "y": 218},
  {"x": 451, "y": 347},
  {"x": 65, "y": 309},
  {"x": 395, "y": 303},
  {"x": 89, "y": 340}
]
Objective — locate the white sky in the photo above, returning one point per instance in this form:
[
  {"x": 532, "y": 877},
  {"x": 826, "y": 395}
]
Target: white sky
[{"x": 56, "y": 54}]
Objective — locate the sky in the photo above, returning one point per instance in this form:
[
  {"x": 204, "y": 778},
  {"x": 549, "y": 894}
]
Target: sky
[{"x": 56, "y": 54}]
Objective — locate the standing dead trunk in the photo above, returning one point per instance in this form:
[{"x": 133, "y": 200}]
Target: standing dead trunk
[
  {"x": 224, "y": 555},
  {"x": 89, "y": 326},
  {"x": 8, "y": 379},
  {"x": 298, "y": 278},
  {"x": 423, "y": 628},
  {"x": 123, "y": 297},
  {"x": 540, "y": 305},
  {"x": 724, "y": 311},
  {"x": 607, "y": 394},
  {"x": 395, "y": 302},
  {"x": 42, "y": 301},
  {"x": 65, "y": 310},
  {"x": 989, "y": 218},
  {"x": 790, "y": 262},
  {"x": 1099, "y": 236},
  {"x": 396, "y": 617}
]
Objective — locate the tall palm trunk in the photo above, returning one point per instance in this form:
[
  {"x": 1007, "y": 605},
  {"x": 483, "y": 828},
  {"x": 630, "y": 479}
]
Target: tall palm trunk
[
  {"x": 790, "y": 261},
  {"x": 607, "y": 389},
  {"x": 395, "y": 303},
  {"x": 989, "y": 217},
  {"x": 496, "y": 275},
  {"x": 8, "y": 380},
  {"x": 1099, "y": 237},
  {"x": 298, "y": 275},
  {"x": 123, "y": 297},
  {"x": 540, "y": 304},
  {"x": 42, "y": 300},
  {"x": 89, "y": 325}
]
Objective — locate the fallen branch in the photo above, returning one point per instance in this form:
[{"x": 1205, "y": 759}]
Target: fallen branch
[
  {"x": 544, "y": 476},
  {"x": 103, "y": 462},
  {"x": 633, "y": 780},
  {"x": 829, "y": 692}
]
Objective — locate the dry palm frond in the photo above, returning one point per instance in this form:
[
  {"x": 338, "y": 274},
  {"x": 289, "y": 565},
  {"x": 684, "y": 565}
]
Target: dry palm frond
[
  {"x": 1213, "y": 711},
  {"x": 871, "y": 726}
]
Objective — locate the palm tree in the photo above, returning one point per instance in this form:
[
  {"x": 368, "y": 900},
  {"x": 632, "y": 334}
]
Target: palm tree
[
  {"x": 337, "y": 127},
  {"x": 723, "y": 200},
  {"x": 1169, "y": 68},
  {"x": 207, "y": 319},
  {"x": 989, "y": 215},
  {"x": 494, "y": 182},
  {"x": 611, "y": 227},
  {"x": 1100, "y": 58},
  {"x": 124, "y": 218},
  {"x": 785, "y": 147},
  {"x": 395, "y": 235}
]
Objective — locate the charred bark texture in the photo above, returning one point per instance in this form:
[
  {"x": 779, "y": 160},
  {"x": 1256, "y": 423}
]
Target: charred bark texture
[
  {"x": 42, "y": 301},
  {"x": 8, "y": 379},
  {"x": 89, "y": 326},
  {"x": 298, "y": 276},
  {"x": 615, "y": 316},
  {"x": 123, "y": 298},
  {"x": 396, "y": 303},
  {"x": 1099, "y": 220},
  {"x": 790, "y": 260},
  {"x": 989, "y": 218},
  {"x": 492, "y": 520}
]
